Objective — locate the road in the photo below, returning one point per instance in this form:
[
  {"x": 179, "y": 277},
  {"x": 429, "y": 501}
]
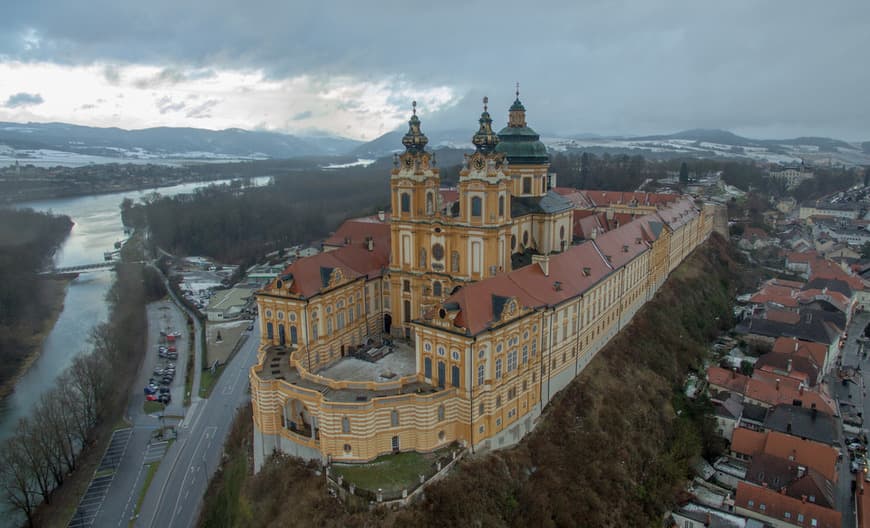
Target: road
[
  {"x": 850, "y": 393},
  {"x": 176, "y": 493},
  {"x": 121, "y": 496}
]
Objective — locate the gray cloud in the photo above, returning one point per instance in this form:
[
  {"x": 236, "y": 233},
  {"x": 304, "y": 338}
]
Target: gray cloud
[
  {"x": 171, "y": 76},
  {"x": 202, "y": 110},
  {"x": 302, "y": 115},
  {"x": 112, "y": 75},
  {"x": 165, "y": 105},
  {"x": 23, "y": 99},
  {"x": 629, "y": 66}
]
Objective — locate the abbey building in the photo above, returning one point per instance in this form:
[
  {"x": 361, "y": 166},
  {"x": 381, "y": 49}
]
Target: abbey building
[{"x": 459, "y": 315}]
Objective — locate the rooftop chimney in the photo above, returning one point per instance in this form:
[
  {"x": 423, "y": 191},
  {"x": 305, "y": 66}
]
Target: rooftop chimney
[
  {"x": 733, "y": 372},
  {"x": 788, "y": 366},
  {"x": 381, "y": 216},
  {"x": 370, "y": 243},
  {"x": 801, "y": 390},
  {"x": 587, "y": 272},
  {"x": 544, "y": 262},
  {"x": 777, "y": 383}
]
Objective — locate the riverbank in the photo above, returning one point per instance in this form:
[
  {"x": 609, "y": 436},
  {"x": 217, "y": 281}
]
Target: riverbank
[
  {"x": 53, "y": 292},
  {"x": 611, "y": 449}
]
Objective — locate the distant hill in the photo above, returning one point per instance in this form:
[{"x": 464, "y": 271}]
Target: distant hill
[
  {"x": 167, "y": 142},
  {"x": 693, "y": 143}
]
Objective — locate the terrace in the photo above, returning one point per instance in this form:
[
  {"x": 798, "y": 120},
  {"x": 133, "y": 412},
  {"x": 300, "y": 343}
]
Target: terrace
[{"x": 352, "y": 380}]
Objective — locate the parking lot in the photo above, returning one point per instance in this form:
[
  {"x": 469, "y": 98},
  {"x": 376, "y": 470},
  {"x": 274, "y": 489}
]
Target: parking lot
[{"x": 93, "y": 498}]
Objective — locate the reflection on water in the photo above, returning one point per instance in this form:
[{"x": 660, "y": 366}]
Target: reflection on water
[{"x": 97, "y": 227}]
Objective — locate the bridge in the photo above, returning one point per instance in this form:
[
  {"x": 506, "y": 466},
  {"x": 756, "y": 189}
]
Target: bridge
[{"x": 83, "y": 268}]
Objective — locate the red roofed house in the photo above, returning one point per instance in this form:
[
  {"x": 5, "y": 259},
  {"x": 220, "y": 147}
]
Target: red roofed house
[{"x": 778, "y": 509}]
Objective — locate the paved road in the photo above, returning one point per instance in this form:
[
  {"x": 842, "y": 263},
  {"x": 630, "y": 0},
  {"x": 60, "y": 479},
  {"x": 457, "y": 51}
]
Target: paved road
[
  {"x": 175, "y": 495},
  {"x": 851, "y": 393},
  {"x": 120, "y": 501}
]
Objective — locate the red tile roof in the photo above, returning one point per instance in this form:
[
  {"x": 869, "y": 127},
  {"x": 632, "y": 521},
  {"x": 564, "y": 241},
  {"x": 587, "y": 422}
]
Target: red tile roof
[
  {"x": 354, "y": 260},
  {"x": 727, "y": 379},
  {"x": 786, "y": 345},
  {"x": 815, "y": 455},
  {"x": 770, "y": 503},
  {"x": 355, "y": 230},
  {"x": 530, "y": 286}
]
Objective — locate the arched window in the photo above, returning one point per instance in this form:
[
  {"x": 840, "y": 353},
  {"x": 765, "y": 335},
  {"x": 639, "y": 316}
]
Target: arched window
[
  {"x": 454, "y": 376},
  {"x": 525, "y": 238},
  {"x": 406, "y": 202},
  {"x": 430, "y": 204},
  {"x": 501, "y": 205},
  {"x": 269, "y": 331},
  {"x": 441, "y": 374},
  {"x": 476, "y": 206},
  {"x": 427, "y": 368},
  {"x": 282, "y": 337},
  {"x": 436, "y": 288},
  {"x": 293, "y": 336}
]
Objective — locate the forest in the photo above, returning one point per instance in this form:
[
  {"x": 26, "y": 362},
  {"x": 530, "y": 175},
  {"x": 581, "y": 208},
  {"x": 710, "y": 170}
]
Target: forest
[
  {"x": 238, "y": 223},
  {"x": 28, "y": 240},
  {"x": 613, "y": 449}
]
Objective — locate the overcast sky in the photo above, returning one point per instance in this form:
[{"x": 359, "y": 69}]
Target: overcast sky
[{"x": 761, "y": 68}]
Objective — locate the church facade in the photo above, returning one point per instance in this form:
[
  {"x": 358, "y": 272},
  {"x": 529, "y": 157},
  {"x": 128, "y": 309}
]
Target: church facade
[{"x": 497, "y": 292}]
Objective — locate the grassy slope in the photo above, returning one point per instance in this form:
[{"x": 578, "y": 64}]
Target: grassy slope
[{"x": 610, "y": 450}]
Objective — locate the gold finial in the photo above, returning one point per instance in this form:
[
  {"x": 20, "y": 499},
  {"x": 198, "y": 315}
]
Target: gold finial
[
  {"x": 518, "y": 89},
  {"x": 485, "y": 102},
  {"x": 414, "y": 107}
]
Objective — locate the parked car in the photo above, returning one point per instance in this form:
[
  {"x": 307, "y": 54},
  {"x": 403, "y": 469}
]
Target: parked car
[
  {"x": 151, "y": 397},
  {"x": 149, "y": 390},
  {"x": 172, "y": 349},
  {"x": 164, "y": 398}
]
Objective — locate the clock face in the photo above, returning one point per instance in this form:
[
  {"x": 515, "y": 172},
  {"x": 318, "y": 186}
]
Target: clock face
[{"x": 478, "y": 163}]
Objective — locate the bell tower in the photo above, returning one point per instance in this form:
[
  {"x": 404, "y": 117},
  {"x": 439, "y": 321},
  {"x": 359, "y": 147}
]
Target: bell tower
[
  {"x": 484, "y": 204},
  {"x": 522, "y": 146},
  {"x": 416, "y": 203}
]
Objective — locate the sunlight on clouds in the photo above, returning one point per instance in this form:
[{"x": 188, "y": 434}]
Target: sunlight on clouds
[{"x": 135, "y": 96}]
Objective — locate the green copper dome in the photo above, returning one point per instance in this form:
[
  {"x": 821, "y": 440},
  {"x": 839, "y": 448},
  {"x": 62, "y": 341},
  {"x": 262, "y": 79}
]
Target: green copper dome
[
  {"x": 522, "y": 145},
  {"x": 519, "y": 143}
]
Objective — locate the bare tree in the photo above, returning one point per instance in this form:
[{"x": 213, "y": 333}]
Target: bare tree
[
  {"x": 61, "y": 420},
  {"x": 40, "y": 472},
  {"x": 48, "y": 445},
  {"x": 16, "y": 478}
]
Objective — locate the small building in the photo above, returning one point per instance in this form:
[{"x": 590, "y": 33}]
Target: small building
[{"x": 226, "y": 305}]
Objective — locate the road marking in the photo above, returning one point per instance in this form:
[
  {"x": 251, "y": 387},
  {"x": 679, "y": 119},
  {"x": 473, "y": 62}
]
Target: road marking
[
  {"x": 207, "y": 437},
  {"x": 231, "y": 387}
]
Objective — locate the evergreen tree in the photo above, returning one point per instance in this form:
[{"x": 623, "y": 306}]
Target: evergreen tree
[{"x": 684, "y": 173}]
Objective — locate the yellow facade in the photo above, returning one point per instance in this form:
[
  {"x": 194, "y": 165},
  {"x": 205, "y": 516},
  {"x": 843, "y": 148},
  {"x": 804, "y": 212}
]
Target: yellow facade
[{"x": 484, "y": 387}]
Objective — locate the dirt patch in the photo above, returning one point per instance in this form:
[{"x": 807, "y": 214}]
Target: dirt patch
[{"x": 230, "y": 333}]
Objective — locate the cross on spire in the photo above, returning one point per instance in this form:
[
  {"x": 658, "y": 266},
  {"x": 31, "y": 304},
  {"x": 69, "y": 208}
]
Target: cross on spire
[
  {"x": 518, "y": 89},
  {"x": 414, "y": 107},
  {"x": 485, "y": 102}
]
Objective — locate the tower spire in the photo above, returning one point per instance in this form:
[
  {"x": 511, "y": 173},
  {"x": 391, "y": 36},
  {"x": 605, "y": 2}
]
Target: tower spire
[
  {"x": 517, "y": 112},
  {"x": 414, "y": 141},
  {"x": 485, "y": 139}
]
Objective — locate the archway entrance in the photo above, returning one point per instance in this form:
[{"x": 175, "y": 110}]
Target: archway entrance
[
  {"x": 298, "y": 419},
  {"x": 388, "y": 323}
]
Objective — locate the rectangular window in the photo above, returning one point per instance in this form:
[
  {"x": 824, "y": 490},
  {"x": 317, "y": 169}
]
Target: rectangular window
[
  {"x": 512, "y": 360},
  {"x": 525, "y": 354},
  {"x": 480, "y": 374},
  {"x": 527, "y": 186},
  {"x": 498, "y": 369}
]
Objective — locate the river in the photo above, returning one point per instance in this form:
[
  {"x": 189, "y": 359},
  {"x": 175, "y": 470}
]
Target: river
[{"x": 97, "y": 227}]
